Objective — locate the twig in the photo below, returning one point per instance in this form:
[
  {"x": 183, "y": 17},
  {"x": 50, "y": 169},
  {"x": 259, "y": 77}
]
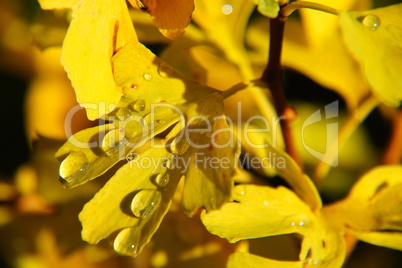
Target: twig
[
  {"x": 273, "y": 77},
  {"x": 289, "y": 9}
]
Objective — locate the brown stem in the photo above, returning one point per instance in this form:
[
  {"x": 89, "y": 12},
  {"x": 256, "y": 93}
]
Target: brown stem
[{"x": 273, "y": 77}]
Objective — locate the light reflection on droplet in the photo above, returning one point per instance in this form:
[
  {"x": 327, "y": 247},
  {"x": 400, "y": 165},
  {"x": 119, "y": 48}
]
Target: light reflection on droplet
[
  {"x": 138, "y": 105},
  {"x": 131, "y": 156},
  {"x": 227, "y": 9},
  {"x": 148, "y": 77},
  {"x": 370, "y": 21},
  {"x": 162, "y": 180}
]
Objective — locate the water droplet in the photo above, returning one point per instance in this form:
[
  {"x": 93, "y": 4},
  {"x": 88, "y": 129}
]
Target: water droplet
[
  {"x": 179, "y": 146},
  {"x": 313, "y": 262},
  {"x": 145, "y": 203},
  {"x": 124, "y": 113},
  {"x": 165, "y": 70},
  {"x": 227, "y": 9},
  {"x": 149, "y": 118},
  {"x": 370, "y": 21},
  {"x": 293, "y": 224},
  {"x": 138, "y": 105},
  {"x": 148, "y": 77},
  {"x": 131, "y": 156},
  {"x": 75, "y": 164},
  {"x": 162, "y": 180},
  {"x": 161, "y": 121},
  {"x": 113, "y": 139},
  {"x": 266, "y": 203},
  {"x": 127, "y": 241},
  {"x": 133, "y": 86},
  {"x": 301, "y": 223}
]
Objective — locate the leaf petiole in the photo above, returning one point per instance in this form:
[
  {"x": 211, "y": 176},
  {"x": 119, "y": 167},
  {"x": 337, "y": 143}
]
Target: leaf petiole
[{"x": 287, "y": 10}]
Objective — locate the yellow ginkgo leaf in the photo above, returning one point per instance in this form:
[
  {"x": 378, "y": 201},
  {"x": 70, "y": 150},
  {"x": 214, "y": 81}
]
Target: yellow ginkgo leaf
[
  {"x": 224, "y": 24},
  {"x": 181, "y": 126},
  {"x": 109, "y": 27},
  {"x": 375, "y": 181},
  {"x": 372, "y": 211},
  {"x": 374, "y": 38},
  {"x": 171, "y": 17},
  {"x": 317, "y": 32},
  {"x": 243, "y": 259},
  {"x": 383, "y": 239},
  {"x": 275, "y": 211},
  {"x": 213, "y": 158},
  {"x": 141, "y": 194},
  {"x": 259, "y": 211},
  {"x": 207, "y": 139}
]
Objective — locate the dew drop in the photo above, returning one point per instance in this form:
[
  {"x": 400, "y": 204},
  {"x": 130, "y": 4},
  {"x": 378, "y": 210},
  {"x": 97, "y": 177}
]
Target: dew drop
[
  {"x": 113, "y": 139},
  {"x": 127, "y": 241},
  {"x": 75, "y": 165},
  {"x": 165, "y": 70},
  {"x": 266, "y": 203},
  {"x": 370, "y": 21},
  {"x": 162, "y": 180},
  {"x": 148, "y": 77},
  {"x": 293, "y": 224},
  {"x": 301, "y": 223},
  {"x": 178, "y": 146},
  {"x": 161, "y": 121},
  {"x": 145, "y": 203},
  {"x": 124, "y": 113},
  {"x": 138, "y": 105},
  {"x": 131, "y": 156}
]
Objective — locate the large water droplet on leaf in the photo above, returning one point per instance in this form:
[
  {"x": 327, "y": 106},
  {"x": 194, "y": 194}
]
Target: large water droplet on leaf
[
  {"x": 124, "y": 113},
  {"x": 165, "y": 70},
  {"x": 162, "y": 179},
  {"x": 127, "y": 241},
  {"x": 113, "y": 139},
  {"x": 138, "y": 105},
  {"x": 75, "y": 164},
  {"x": 179, "y": 146},
  {"x": 145, "y": 203},
  {"x": 370, "y": 21}
]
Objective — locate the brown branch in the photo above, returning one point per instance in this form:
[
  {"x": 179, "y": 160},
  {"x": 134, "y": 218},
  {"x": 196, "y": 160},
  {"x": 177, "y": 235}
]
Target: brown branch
[{"x": 273, "y": 77}]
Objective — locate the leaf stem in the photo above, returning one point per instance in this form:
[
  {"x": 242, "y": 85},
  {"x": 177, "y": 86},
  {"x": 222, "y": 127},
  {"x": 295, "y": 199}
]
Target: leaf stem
[
  {"x": 236, "y": 88},
  {"x": 289, "y": 9},
  {"x": 272, "y": 76}
]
